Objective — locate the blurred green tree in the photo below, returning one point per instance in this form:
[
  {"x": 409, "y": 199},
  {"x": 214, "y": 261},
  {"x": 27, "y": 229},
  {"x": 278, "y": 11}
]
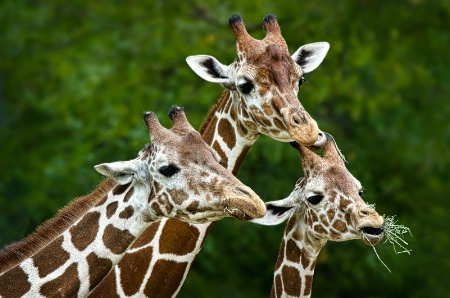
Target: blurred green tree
[{"x": 75, "y": 78}]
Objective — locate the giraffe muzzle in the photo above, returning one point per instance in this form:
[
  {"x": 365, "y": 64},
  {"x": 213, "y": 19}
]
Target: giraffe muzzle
[
  {"x": 302, "y": 128},
  {"x": 244, "y": 204}
]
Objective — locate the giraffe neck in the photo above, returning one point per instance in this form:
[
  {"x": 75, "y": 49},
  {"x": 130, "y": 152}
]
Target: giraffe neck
[
  {"x": 227, "y": 134},
  {"x": 294, "y": 270},
  {"x": 157, "y": 264},
  {"x": 76, "y": 259}
]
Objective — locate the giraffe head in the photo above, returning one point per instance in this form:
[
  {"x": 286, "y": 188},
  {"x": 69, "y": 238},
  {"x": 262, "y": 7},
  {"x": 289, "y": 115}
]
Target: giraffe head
[
  {"x": 180, "y": 177},
  {"x": 326, "y": 204},
  {"x": 264, "y": 81}
]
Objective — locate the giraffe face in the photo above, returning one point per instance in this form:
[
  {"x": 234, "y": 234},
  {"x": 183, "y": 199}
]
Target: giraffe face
[
  {"x": 191, "y": 185},
  {"x": 332, "y": 208},
  {"x": 331, "y": 199},
  {"x": 180, "y": 177},
  {"x": 267, "y": 84},
  {"x": 264, "y": 81},
  {"x": 326, "y": 204}
]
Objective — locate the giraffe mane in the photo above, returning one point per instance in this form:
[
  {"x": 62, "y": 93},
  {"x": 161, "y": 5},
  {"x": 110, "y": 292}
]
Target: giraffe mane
[
  {"x": 212, "y": 111},
  {"x": 15, "y": 253}
]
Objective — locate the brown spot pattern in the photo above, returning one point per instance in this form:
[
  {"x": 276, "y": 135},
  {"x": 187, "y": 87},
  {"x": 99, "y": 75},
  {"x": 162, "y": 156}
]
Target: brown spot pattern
[
  {"x": 331, "y": 213},
  {"x": 120, "y": 189},
  {"x": 147, "y": 236},
  {"x": 263, "y": 119},
  {"x": 156, "y": 209},
  {"x": 344, "y": 203},
  {"x": 98, "y": 269},
  {"x": 340, "y": 226},
  {"x": 280, "y": 255},
  {"x": 278, "y": 286},
  {"x": 291, "y": 280},
  {"x": 240, "y": 160},
  {"x": 178, "y": 195},
  {"x": 163, "y": 200},
  {"x": 85, "y": 231},
  {"x": 172, "y": 279},
  {"x": 177, "y": 233},
  {"x": 244, "y": 112},
  {"x": 308, "y": 285},
  {"x": 251, "y": 125},
  {"x": 111, "y": 209},
  {"x": 348, "y": 219},
  {"x": 192, "y": 207},
  {"x": 319, "y": 229},
  {"x": 233, "y": 115},
  {"x": 224, "y": 130},
  {"x": 241, "y": 129},
  {"x": 128, "y": 195},
  {"x": 51, "y": 258},
  {"x": 267, "y": 109},
  {"x": 133, "y": 271},
  {"x": 297, "y": 235},
  {"x": 127, "y": 212},
  {"x": 116, "y": 240},
  {"x": 263, "y": 89},
  {"x": 305, "y": 259},
  {"x": 209, "y": 130},
  {"x": 14, "y": 283},
  {"x": 290, "y": 225},
  {"x": 66, "y": 285},
  {"x": 292, "y": 251},
  {"x": 106, "y": 288},
  {"x": 222, "y": 154}
]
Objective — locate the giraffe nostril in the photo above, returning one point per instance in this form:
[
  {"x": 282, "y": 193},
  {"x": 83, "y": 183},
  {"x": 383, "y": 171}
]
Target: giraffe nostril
[
  {"x": 296, "y": 120},
  {"x": 364, "y": 212},
  {"x": 242, "y": 191}
]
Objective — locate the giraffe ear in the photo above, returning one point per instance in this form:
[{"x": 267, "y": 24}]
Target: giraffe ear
[
  {"x": 124, "y": 172},
  {"x": 209, "y": 69},
  {"x": 311, "y": 55},
  {"x": 277, "y": 212}
]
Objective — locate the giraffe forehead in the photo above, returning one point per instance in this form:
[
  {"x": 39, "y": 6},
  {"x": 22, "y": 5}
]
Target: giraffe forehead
[
  {"x": 188, "y": 148},
  {"x": 264, "y": 68},
  {"x": 340, "y": 179}
]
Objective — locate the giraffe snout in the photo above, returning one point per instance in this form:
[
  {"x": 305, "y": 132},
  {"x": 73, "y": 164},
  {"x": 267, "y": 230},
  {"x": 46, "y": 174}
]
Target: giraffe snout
[
  {"x": 244, "y": 204},
  {"x": 302, "y": 128}
]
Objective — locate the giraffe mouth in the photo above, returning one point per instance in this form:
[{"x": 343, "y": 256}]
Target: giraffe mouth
[
  {"x": 238, "y": 213},
  {"x": 371, "y": 235}
]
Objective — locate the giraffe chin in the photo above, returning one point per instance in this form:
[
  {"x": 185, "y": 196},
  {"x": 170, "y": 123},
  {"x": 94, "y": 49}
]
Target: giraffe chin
[{"x": 372, "y": 236}]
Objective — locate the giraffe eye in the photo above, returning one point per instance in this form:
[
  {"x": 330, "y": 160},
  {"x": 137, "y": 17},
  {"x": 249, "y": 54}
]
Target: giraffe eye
[
  {"x": 169, "y": 170},
  {"x": 246, "y": 87},
  {"x": 316, "y": 199},
  {"x": 361, "y": 193},
  {"x": 302, "y": 80}
]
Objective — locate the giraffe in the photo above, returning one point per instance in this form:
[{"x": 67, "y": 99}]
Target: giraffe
[
  {"x": 325, "y": 205},
  {"x": 175, "y": 176},
  {"x": 260, "y": 97}
]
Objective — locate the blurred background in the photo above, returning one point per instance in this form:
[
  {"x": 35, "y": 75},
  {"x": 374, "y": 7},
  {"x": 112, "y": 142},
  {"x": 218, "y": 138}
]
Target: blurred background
[{"x": 76, "y": 76}]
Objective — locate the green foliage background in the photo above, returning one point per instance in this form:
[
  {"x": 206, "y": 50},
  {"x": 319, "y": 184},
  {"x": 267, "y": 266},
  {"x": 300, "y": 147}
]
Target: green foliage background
[{"x": 76, "y": 76}]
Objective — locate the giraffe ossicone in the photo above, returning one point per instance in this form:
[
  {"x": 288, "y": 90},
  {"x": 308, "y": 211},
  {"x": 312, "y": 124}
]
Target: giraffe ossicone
[
  {"x": 325, "y": 205},
  {"x": 175, "y": 176},
  {"x": 264, "y": 81}
]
